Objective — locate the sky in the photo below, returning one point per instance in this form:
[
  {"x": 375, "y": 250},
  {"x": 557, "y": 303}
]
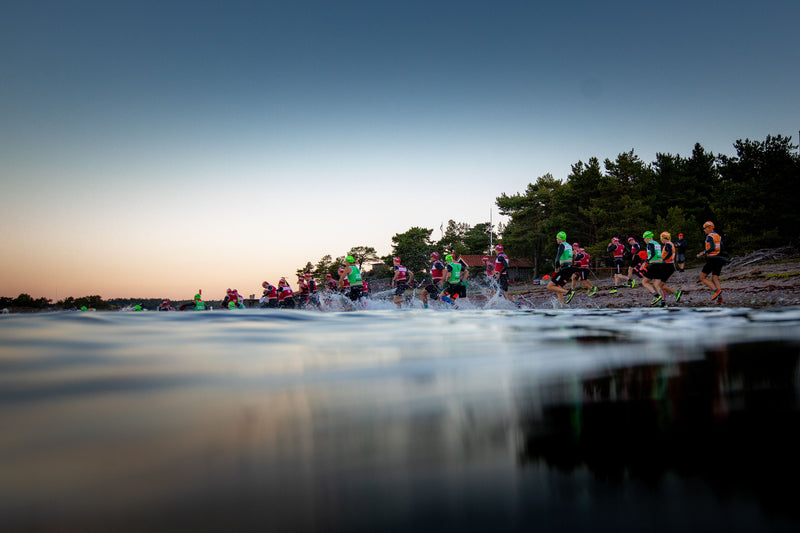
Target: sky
[{"x": 150, "y": 149}]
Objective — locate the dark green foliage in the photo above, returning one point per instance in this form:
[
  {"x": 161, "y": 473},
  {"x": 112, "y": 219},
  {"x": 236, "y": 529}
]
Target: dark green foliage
[
  {"x": 750, "y": 197},
  {"x": 757, "y": 197},
  {"x": 24, "y": 301},
  {"x": 414, "y": 248}
]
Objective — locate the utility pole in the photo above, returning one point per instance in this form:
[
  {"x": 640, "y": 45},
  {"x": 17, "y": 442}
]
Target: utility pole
[{"x": 491, "y": 231}]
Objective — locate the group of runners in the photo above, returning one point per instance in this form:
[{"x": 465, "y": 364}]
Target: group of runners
[
  {"x": 309, "y": 294},
  {"x": 654, "y": 264}
]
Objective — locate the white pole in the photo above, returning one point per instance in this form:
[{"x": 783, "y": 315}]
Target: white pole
[{"x": 490, "y": 231}]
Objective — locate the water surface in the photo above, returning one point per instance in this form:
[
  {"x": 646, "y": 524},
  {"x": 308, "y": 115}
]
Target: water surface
[{"x": 400, "y": 420}]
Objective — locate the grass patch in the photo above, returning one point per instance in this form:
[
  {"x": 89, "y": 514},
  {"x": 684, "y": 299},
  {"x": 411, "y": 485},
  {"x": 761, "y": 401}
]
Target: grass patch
[
  {"x": 782, "y": 275},
  {"x": 782, "y": 261}
]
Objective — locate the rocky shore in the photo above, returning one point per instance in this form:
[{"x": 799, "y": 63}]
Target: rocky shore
[{"x": 761, "y": 279}]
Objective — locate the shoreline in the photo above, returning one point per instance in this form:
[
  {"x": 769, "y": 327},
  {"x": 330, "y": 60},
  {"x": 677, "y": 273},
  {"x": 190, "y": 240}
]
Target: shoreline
[{"x": 744, "y": 283}]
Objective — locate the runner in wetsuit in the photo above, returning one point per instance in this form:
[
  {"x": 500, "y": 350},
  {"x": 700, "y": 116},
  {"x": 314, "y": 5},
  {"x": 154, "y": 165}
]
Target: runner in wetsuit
[
  {"x": 344, "y": 283},
  {"x": 435, "y": 286},
  {"x": 714, "y": 261},
  {"x": 582, "y": 262},
  {"x": 400, "y": 280},
  {"x": 636, "y": 260},
  {"x": 285, "y": 295},
  {"x": 655, "y": 267},
  {"x": 618, "y": 252},
  {"x": 501, "y": 273},
  {"x": 353, "y": 276},
  {"x": 313, "y": 296},
  {"x": 563, "y": 264},
  {"x": 452, "y": 280},
  {"x": 269, "y": 297},
  {"x": 304, "y": 292},
  {"x": 680, "y": 253},
  {"x": 668, "y": 258}
]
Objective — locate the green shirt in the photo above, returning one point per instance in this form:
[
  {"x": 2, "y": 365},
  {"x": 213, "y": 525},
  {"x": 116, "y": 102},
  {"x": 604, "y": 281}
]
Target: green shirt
[
  {"x": 455, "y": 274},
  {"x": 354, "y": 277}
]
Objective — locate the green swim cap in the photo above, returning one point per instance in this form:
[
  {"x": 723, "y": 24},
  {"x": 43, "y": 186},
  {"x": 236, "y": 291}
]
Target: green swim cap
[
  {"x": 448, "y": 258},
  {"x": 137, "y": 307},
  {"x": 197, "y": 296},
  {"x": 350, "y": 259},
  {"x": 647, "y": 235},
  {"x": 561, "y": 235},
  {"x": 83, "y": 308}
]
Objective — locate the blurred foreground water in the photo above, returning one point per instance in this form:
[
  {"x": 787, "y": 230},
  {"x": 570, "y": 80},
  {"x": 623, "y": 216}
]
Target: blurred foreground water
[{"x": 623, "y": 420}]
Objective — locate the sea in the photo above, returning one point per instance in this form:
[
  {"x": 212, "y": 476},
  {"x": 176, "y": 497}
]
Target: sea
[{"x": 385, "y": 419}]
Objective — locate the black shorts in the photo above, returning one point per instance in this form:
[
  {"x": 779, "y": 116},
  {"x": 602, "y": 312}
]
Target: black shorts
[
  {"x": 271, "y": 303},
  {"x": 713, "y": 266},
  {"x": 667, "y": 271},
  {"x": 654, "y": 271},
  {"x": 502, "y": 280},
  {"x": 680, "y": 257},
  {"x": 288, "y": 303},
  {"x": 400, "y": 288},
  {"x": 355, "y": 292},
  {"x": 635, "y": 260},
  {"x": 619, "y": 264},
  {"x": 433, "y": 290},
  {"x": 456, "y": 289},
  {"x": 583, "y": 273},
  {"x": 564, "y": 275}
]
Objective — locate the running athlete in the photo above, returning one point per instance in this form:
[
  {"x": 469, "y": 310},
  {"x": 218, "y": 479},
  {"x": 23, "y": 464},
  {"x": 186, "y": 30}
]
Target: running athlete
[
  {"x": 199, "y": 304},
  {"x": 304, "y": 290},
  {"x": 435, "y": 286},
  {"x": 402, "y": 277},
  {"x": 668, "y": 258},
  {"x": 285, "y": 295},
  {"x": 618, "y": 251},
  {"x": 330, "y": 283},
  {"x": 452, "y": 280},
  {"x": 582, "y": 262},
  {"x": 313, "y": 296},
  {"x": 269, "y": 297},
  {"x": 714, "y": 262},
  {"x": 488, "y": 265},
  {"x": 165, "y": 305},
  {"x": 636, "y": 260},
  {"x": 654, "y": 269},
  {"x": 501, "y": 274},
  {"x": 233, "y": 300},
  {"x": 563, "y": 264},
  {"x": 331, "y": 286},
  {"x": 364, "y": 288},
  {"x": 353, "y": 276},
  {"x": 680, "y": 253},
  {"x": 344, "y": 283},
  {"x": 464, "y": 276}
]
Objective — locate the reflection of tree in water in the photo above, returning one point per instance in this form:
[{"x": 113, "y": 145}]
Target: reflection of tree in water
[{"x": 730, "y": 420}]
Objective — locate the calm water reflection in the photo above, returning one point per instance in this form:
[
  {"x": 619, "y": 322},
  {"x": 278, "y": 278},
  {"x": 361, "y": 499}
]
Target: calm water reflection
[{"x": 392, "y": 421}]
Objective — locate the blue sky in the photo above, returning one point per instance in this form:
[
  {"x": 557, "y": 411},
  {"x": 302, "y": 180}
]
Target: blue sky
[{"x": 152, "y": 148}]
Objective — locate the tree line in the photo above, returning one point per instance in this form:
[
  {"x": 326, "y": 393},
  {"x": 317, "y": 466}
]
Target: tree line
[
  {"x": 414, "y": 246},
  {"x": 750, "y": 197}
]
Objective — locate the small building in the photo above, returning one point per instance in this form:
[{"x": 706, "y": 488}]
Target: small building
[{"x": 518, "y": 269}]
